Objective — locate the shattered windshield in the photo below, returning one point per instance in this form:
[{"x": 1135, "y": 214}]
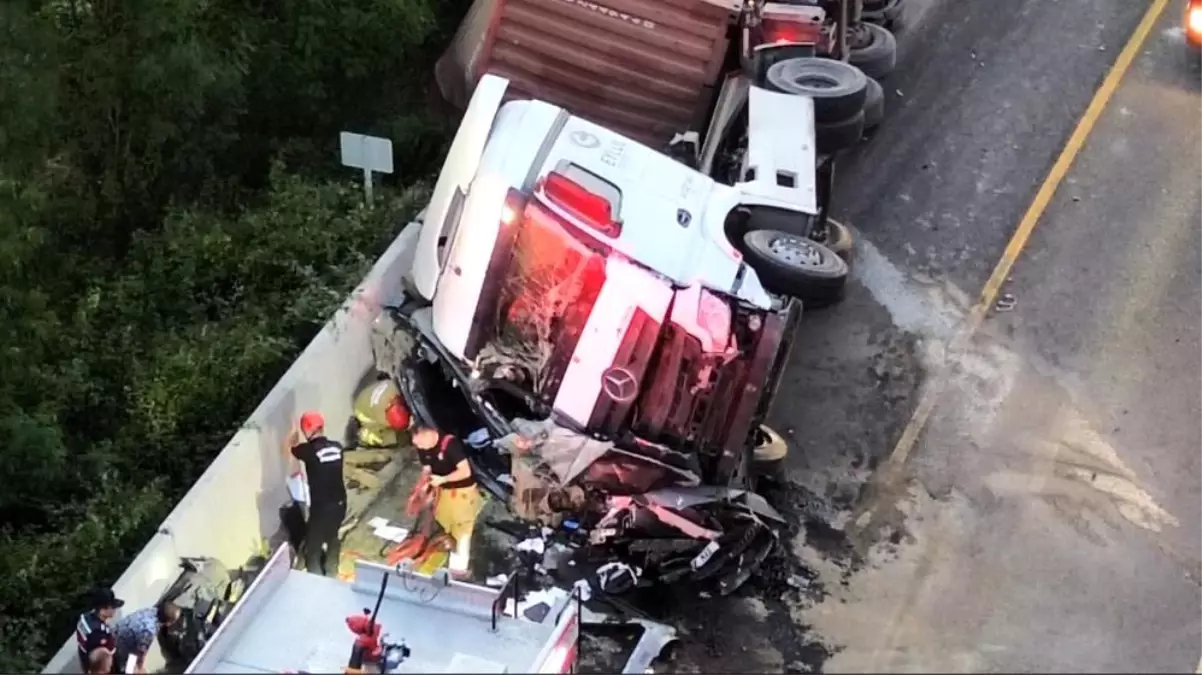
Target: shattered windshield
[{"x": 547, "y": 292}]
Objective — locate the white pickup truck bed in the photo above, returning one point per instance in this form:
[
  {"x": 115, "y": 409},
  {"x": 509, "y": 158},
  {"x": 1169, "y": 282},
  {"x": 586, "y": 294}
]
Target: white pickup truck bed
[{"x": 295, "y": 621}]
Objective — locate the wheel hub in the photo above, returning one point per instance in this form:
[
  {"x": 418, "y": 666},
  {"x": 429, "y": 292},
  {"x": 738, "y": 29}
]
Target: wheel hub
[
  {"x": 859, "y": 37},
  {"x": 795, "y": 251},
  {"x": 816, "y": 82}
]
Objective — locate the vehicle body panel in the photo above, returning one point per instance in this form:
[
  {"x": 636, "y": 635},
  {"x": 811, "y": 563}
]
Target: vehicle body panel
[
  {"x": 628, "y": 292},
  {"x": 643, "y": 69},
  {"x": 665, "y": 208},
  {"x": 463, "y": 158},
  {"x": 778, "y": 169},
  {"x": 672, "y": 216}
]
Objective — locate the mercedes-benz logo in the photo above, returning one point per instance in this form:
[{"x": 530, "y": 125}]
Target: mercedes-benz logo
[
  {"x": 584, "y": 139},
  {"x": 619, "y": 384}
]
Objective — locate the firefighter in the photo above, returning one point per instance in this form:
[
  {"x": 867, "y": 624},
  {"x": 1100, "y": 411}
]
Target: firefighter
[
  {"x": 380, "y": 413},
  {"x": 444, "y": 461},
  {"x": 322, "y": 459}
]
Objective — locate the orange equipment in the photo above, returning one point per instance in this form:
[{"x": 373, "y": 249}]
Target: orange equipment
[{"x": 422, "y": 544}]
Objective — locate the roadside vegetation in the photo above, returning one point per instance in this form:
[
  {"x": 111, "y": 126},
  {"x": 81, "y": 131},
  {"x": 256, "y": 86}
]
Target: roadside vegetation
[{"x": 174, "y": 229}]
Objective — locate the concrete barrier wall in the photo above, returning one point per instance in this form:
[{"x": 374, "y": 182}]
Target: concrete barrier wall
[{"x": 235, "y": 505}]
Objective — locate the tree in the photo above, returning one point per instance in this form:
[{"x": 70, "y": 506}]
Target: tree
[{"x": 172, "y": 233}]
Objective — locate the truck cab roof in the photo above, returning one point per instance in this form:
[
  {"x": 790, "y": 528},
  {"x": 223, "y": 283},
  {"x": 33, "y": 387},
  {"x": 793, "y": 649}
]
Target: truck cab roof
[{"x": 669, "y": 217}]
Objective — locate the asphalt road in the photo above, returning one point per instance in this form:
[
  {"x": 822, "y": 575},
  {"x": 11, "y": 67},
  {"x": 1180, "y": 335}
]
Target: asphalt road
[
  {"x": 1047, "y": 520},
  {"x": 1048, "y": 517}
]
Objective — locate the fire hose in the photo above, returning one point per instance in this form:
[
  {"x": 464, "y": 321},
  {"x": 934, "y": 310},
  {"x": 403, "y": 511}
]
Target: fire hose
[{"x": 423, "y": 542}]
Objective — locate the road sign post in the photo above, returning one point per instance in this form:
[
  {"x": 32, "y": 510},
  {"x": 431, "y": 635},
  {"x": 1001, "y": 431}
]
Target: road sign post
[{"x": 370, "y": 153}]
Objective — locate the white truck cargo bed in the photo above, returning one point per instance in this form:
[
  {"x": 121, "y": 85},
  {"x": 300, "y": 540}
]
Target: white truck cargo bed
[{"x": 294, "y": 621}]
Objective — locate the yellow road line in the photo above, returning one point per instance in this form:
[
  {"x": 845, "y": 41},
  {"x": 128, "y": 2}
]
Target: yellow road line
[{"x": 1022, "y": 234}]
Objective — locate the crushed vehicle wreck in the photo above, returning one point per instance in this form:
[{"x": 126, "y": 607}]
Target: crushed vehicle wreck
[
  {"x": 615, "y": 258},
  {"x": 608, "y": 322},
  {"x": 600, "y": 296},
  {"x": 582, "y": 290},
  {"x": 632, "y": 509}
]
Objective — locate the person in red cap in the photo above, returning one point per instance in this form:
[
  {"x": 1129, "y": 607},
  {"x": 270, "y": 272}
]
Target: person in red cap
[{"x": 322, "y": 459}]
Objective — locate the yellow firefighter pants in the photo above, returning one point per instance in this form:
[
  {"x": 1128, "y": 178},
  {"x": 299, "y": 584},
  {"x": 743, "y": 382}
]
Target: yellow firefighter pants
[
  {"x": 456, "y": 515},
  {"x": 373, "y": 434}
]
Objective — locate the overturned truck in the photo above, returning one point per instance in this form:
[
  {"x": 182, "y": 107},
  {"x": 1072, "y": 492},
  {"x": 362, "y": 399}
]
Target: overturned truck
[{"x": 609, "y": 321}]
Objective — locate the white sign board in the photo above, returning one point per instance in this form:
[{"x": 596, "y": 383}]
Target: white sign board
[{"x": 370, "y": 153}]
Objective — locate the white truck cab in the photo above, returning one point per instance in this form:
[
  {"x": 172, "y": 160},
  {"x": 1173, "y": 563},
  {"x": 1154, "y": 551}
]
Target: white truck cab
[
  {"x": 556, "y": 251},
  {"x": 666, "y": 218}
]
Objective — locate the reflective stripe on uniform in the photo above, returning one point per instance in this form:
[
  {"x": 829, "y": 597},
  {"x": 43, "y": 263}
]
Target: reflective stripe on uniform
[
  {"x": 378, "y": 393},
  {"x": 462, "y": 555}
]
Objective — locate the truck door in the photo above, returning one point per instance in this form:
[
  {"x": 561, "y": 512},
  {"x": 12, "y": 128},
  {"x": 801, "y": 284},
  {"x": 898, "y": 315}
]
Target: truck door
[{"x": 446, "y": 203}]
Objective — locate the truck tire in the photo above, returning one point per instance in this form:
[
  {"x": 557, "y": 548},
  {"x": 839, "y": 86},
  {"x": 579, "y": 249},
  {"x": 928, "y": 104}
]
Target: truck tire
[
  {"x": 840, "y": 239},
  {"x": 770, "y": 447},
  {"x": 796, "y": 266},
  {"x": 838, "y": 89},
  {"x": 884, "y": 13},
  {"x": 874, "y": 105},
  {"x": 840, "y": 135},
  {"x": 875, "y": 52}
]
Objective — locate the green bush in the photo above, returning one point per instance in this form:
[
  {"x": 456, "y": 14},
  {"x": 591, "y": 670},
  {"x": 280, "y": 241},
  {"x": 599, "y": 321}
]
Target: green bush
[{"x": 174, "y": 228}]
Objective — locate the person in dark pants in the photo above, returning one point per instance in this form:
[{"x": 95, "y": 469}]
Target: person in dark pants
[
  {"x": 322, "y": 459},
  {"x": 93, "y": 630},
  {"x": 137, "y": 631}
]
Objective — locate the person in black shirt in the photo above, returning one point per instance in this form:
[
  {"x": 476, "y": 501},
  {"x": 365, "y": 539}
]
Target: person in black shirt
[
  {"x": 322, "y": 459},
  {"x": 444, "y": 460},
  {"x": 92, "y": 630}
]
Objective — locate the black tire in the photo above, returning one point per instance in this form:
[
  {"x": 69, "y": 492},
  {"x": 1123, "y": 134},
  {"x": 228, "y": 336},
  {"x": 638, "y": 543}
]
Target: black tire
[
  {"x": 877, "y": 55},
  {"x": 887, "y": 14},
  {"x": 841, "y": 240},
  {"x": 838, "y": 89},
  {"x": 771, "y": 218},
  {"x": 771, "y": 449},
  {"x": 874, "y": 105},
  {"x": 840, "y": 135},
  {"x": 791, "y": 265}
]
